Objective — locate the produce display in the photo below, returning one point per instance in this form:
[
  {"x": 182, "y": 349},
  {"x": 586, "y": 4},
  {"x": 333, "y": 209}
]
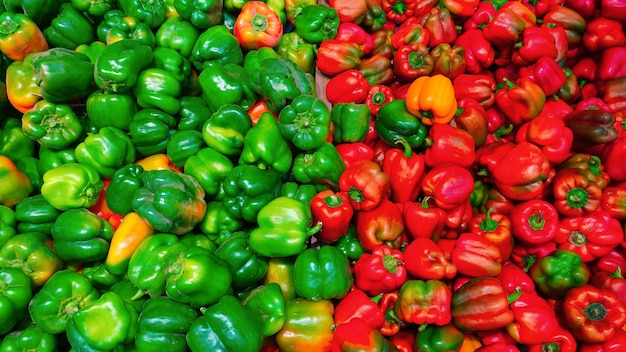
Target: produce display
[{"x": 295, "y": 175}]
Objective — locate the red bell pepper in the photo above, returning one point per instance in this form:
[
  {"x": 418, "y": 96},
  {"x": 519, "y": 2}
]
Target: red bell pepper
[
  {"x": 562, "y": 340},
  {"x": 494, "y": 199},
  {"x": 336, "y": 56},
  {"x": 615, "y": 344},
  {"x": 424, "y": 302},
  {"x": 575, "y": 194},
  {"x": 546, "y": 73},
  {"x": 366, "y": 184},
  {"x": 404, "y": 340},
  {"x": 398, "y": 10},
  {"x": 382, "y": 270},
  {"x": 475, "y": 256},
  {"x": 257, "y": 25},
  {"x": 392, "y": 323},
  {"x": 472, "y": 119},
  {"x": 611, "y": 262},
  {"x": 602, "y": 33},
  {"x": 561, "y": 42},
  {"x": 569, "y": 19},
  {"x": 590, "y": 165},
  {"x": 353, "y": 152},
  {"x": 507, "y": 24},
  {"x": 549, "y": 134},
  {"x": 612, "y": 157},
  {"x": 570, "y": 90},
  {"x": 352, "y": 32},
  {"x": 480, "y": 87},
  {"x": 479, "y": 53},
  {"x": 440, "y": 24},
  {"x": 409, "y": 31},
  {"x": 555, "y": 108},
  {"x": 458, "y": 218},
  {"x": 496, "y": 227},
  {"x": 450, "y": 185},
  {"x": 405, "y": 174},
  {"x": 534, "y": 221},
  {"x": 358, "y": 335},
  {"x": 590, "y": 236},
  {"x": 520, "y": 101},
  {"x": 593, "y": 315},
  {"x": 525, "y": 255},
  {"x": 614, "y": 9},
  {"x": 447, "y": 144},
  {"x": 586, "y": 8},
  {"x": 613, "y": 93},
  {"x": 423, "y": 220},
  {"x": 411, "y": 61},
  {"x": 481, "y": 304},
  {"x": 425, "y": 260},
  {"x": 332, "y": 210},
  {"x": 357, "y": 304},
  {"x": 513, "y": 278},
  {"x": 377, "y": 96},
  {"x": 535, "y": 319},
  {"x": 586, "y": 69},
  {"x": 381, "y": 225},
  {"x": 482, "y": 15},
  {"x": 349, "y": 86},
  {"x": 382, "y": 43},
  {"x": 536, "y": 42},
  {"x": 613, "y": 201},
  {"x": 612, "y": 63},
  {"x": 613, "y": 282},
  {"x": 349, "y": 10}
]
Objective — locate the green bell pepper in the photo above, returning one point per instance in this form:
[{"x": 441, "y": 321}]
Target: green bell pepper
[
  {"x": 103, "y": 279},
  {"x": 183, "y": 145},
  {"x": 150, "y": 12},
  {"x": 70, "y": 28},
  {"x": 226, "y": 326},
  {"x": 95, "y": 8},
  {"x": 435, "y": 338},
  {"x": 150, "y": 131},
  {"x": 8, "y": 224},
  {"x": 72, "y": 185},
  {"x": 163, "y": 324},
  {"x": 169, "y": 201},
  {"x": 322, "y": 166},
  {"x": 253, "y": 59},
  {"x": 225, "y": 130},
  {"x": 351, "y": 122},
  {"x": 128, "y": 292},
  {"x": 158, "y": 88},
  {"x": 322, "y": 273},
  {"x": 29, "y": 166},
  {"x": 193, "y": 113},
  {"x": 147, "y": 268},
  {"x": 40, "y": 11},
  {"x": 30, "y": 338},
  {"x": 178, "y": 34},
  {"x": 305, "y": 122},
  {"x": 35, "y": 214},
  {"x": 191, "y": 239},
  {"x": 265, "y": 147},
  {"x": 80, "y": 235},
  {"x": 108, "y": 109},
  {"x": 284, "y": 227},
  {"x": 172, "y": 61},
  {"x": 118, "y": 66},
  {"x": 105, "y": 325},
  {"x": 52, "y": 125},
  {"x": 116, "y": 26},
  {"x": 267, "y": 301},
  {"x": 216, "y": 44},
  {"x": 228, "y": 83},
  {"x": 106, "y": 151},
  {"x": 64, "y": 294},
  {"x": 218, "y": 224},
  {"x": 30, "y": 252},
  {"x": 280, "y": 271},
  {"x": 201, "y": 13},
  {"x": 63, "y": 74},
  {"x": 92, "y": 50},
  {"x": 301, "y": 192},
  {"x": 299, "y": 51},
  {"x": 14, "y": 144},
  {"x": 278, "y": 6},
  {"x": 210, "y": 168},
  {"x": 246, "y": 266},
  {"x": 247, "y": 189},
  {"x": 397, "y": 127},
  {"x": 317, "y": 23},
  {"x": 350, "y": 245},
  {"x": 556, "y": 273},
  {"x": 198, "y": 278},
  {"x": 280, "y": 81},
  {"x": 50, "y": 159},
  {"x": 15, "y": 294}
]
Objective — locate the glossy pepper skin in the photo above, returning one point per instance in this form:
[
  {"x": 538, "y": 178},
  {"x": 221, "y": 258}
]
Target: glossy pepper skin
[
  {"x": 102, "y": 106},
  {"x": 521, "y": 100},
  {"x": 559, "y": 272},
  {"x": 81, "y": 235},
  {"x": 285, "y": 224},
  {"x": 132, "y": 55},
  {"x": 335, "y": 56},
  {"x": 381, "y": 225},
  {"x": 30, "y": 337},
  {"x": 163, "y": 323},
  {"x": 317, "y": 23},
  {"x": 107, "y": 150},
  {"x": 397, "y": 126},
  {"x": 590, "y": 128},
  {"x": 305, "y": 122},
  {"x": 16, "y": 186},
  {"x": 440, "y": 338},
  {"x": 416, "y": 299},
  {"x": 380, "y": 271},
  {"x": 72, "y": 185},
  {"x": 16, "y": 294},
  {"x": 200, "y": 13},
  {"x": 214, "y": 329},
  {"x": 225, "y": 129},
  {"x": 425, "y": 260},
  {"x": 216, "y": 44},
  {"x": 534, "y": 221},
  {"x": 334, "y": 212},
  {"x": 552, "y": 135},
  {"x": 405, "y": 173},
  {"x": 590, "y": 236},
  {"x": 257, "y": 25},
  {"x": 159, "y": 89},
  {"x": 247, "y": 267},
  {"x": 366, "y": 184},
  {"x": 70, "y": 28},
  {"x": 321, "y": 274},
  {"x": 351, "y": 122},
  {"x": 247, "y": 189},
  {"x": 293, "y": 47},
  {"x": 432, "y": 99},
  {"x": 21, "y": 36},
  {"x": 267, "y": 301},
  {"x": 308, "y": 326},
  {"x": 477, "y": 297},
  {"x": 210, "y": 168},
  {"x": 52, "y": 125},
  {"x": 322, "y": 166},
  {"x": 357, "y": 334},
  {"x": 349, "y": 86}
]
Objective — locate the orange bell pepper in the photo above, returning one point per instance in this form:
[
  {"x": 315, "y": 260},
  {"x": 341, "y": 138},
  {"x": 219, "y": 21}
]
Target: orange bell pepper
[
  {"x": 19, "y": 36},
  {"x": 257, "y": 25},
  {"x": 157, "y": 162},
  {"x": 126, "y": 238},
  {"x": 14, "y": 185},
  {"x": 432, "y": 98}
]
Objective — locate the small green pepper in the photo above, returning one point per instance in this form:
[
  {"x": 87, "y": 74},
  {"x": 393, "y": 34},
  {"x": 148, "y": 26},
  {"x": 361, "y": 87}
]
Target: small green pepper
[
  {"x": 184, "y": 145},
  {"x": 218, "y": 224},
  {"x": 106, "y": 151},
  {"x": 227, "y": 83},
  {"x": 63, "y": 74},
  {"x": 106, "y": 109},
  {"x": 70, "y": 28},
  {"x": 201, "y": 13},
  {"x": 322, "y": 273},
  {"x": 178, "y": 34},
  {"x": 35, "y": 214},
  {"x": 80, "y": 235},
  {"x": 150, "y": 131},
  {"x": 267, "y": 301},
  {"x": 225, "y": 130},
  {"x": 210, "y": 168},
  {"x": 246, "y": 267},
  {"x": 72, "y": 185},
  {"x": 30, "y": 338},
  {"x": 305, "y": 122},
  {"x": 158, "y": 88},
  {"x": 15, "y": 294},
  {"x": 150, "y": 12},
  {"x": 54, "y": 126},
  {"x": 351, "y": 122},
  {"x": 556, "y": 273},
  {"x": 397, "y": 127},
  {"x": 317, "y": 23},
  {"x": 163, "y": 324},
  {"x": 118, "y": 66},
  {"x": 322, "y": 166},
  {"x": 265, "y": 147},
  {"x": 29, "y": 252},
  {"x": 217, "y": 44}
]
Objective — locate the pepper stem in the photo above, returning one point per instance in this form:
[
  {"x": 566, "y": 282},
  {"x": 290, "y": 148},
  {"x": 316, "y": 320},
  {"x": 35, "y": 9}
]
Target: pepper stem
[
  {"x": 408, "y": 151},
  {"x": 259, "y": 22},
  {"x": 596, "y": 311},
  {"x": 515, "y": 295},
  {"x": 488, "y": 224},
  {"x": 577, "y": 198},
  {"x": 333, "y": 201},
  {"x": 313, "y": 230},
  {"x": 390, "y": 263},
  {"x": 595, "y": 165},
  {"x": 537, "y": 221},
  {"x": 577, "y": 238}
]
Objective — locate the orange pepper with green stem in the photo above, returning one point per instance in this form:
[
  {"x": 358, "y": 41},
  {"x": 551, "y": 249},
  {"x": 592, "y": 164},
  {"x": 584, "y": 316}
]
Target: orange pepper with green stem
[
  {"x": 432, "y": 99},
  {"x": 19, "y": 36},
  {"x": 257, "y": 25}
]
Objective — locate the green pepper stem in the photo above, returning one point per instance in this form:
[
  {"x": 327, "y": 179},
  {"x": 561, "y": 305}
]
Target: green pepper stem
[
  {"x": 313, "y": 230},
  {"x": 537, "y": 221},
  {"x": 489, "y": 224},
  {"x": 596, "y": 311},
  {"x": 390, "y": 263},
  {"x": 408, "y": 151},
  {"x": 577, "y": 198},
  {"x": 515, "y": 295}
]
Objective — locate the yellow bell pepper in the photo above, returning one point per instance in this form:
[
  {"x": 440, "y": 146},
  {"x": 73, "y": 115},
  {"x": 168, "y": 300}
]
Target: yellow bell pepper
[
  {"x": 432, "y": 99},
  {"x": 157, "y": 162},
  {"x": 126, "y": 238}
]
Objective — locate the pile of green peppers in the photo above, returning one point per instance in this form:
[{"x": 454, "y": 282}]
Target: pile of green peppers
[{"x": 155, "y": 179}]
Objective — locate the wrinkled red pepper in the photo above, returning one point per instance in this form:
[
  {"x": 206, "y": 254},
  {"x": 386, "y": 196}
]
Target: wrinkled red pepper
[
  {"x": 549, "y": 134},
  {"x": 383, "y": 270},
  {"x": 425, "y": 260},
  {"x": 381, "y": 225},
  {"x": 590, "y": 236},
  {"x": 476, "y": 256},
  {"x": 520, "y": 101},
  {"x": 534, "y": 221},
  {"x": 450, "y": 185},
  {"x": 357, "y": 304},
  {"x": 447, "y": 144},
  {"x": 377, "y": 96},
  {"x": 366, "y": 184}
]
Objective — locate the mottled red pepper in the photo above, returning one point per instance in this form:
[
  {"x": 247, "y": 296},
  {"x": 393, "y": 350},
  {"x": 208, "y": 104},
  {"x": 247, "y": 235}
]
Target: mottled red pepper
[
  {"x": 602, "y": 33},
  {"x": 425, "y": 260},
  {"x": 549, "y": 134}
]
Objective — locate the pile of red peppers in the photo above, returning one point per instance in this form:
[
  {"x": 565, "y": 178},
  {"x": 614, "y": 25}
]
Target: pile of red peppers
[{"x": 489, "y": 194}]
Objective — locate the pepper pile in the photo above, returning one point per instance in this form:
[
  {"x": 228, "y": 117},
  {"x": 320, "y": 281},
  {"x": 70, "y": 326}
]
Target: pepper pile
[{"x": 173, "y": 177}]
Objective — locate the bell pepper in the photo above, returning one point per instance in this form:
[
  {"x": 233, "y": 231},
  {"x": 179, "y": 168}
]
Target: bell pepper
[
  {"x": 294, "y": 48},
  {"x": 417, "y": 298},
  {"x": 432, "y": 99},
  {"x": 182, "y": 145},
  {"x": 317, "y": 23},
  {"x": 381, "y": 225},
  {"x": 485, "y": 10},
  {"x": 366, "y": 184},
  {"x": 422, "y": 220},
  {"x": 613, "y": 282},
  {"x": 333, "y": 211},
  {"x": 163, "y": 323},
  {"x": 546, "y": 73},
  {"x": 16, "y": 186},
  {"x": 398, "y": 10},
  {"x": 617, "y": 341},
  {"x": 246, "y": 267},
  {"x": 476, "y": 255},
  {"x": 377, "y": 69},
  {"x": 304, "y": 193},
  {"x": 534, "y": 221},
  {"x": 285, "y": 220},
  {"x": 613, "y": 201},
  {"x": 349, "y": 86},
  {"x": 448, "y": 144},
  {"x": 574, "y": 193},
  {"x": 478, "y": 52},
  {"x": 15, "y": 297},
  {"x": 257, "y": 25},
  {"x": 611, "y": 64},
  {"x": 64, "y": 294},
  {"x": 216, "y": 44},
  {"x": 8, "y": 224},
  {"x": 106, "y": 151},
  {"x": 264, "y": 146},
  {"x": 409, "y": 31},
  {"x": 405, "y": 173},
  {"x": 375, "y": 17},
  {"x": 210, "y": 168},
  {"x": 377, "y": 96},
  {"x": 536, "y": 42},
  {"x": 80, "y": 235},
  {"x": 150, "y": 131},
  {"x": 380, "y": 271},
  {"x": 111, "y": 109},
  {"x": 119, "y": 319},
  {"x": 158, "y": 88},
  {"x": 440, "y": 338},
  {"x": 507, "y": 24},
  {"x": 52, "y": 125},
  {"x": 392, "y": 324},
  {"x": 267, "y": 301},
  {"x": 321, "y": 274},
  {"x": 21, "y": 36},
  {"x": 357, "y": 304},
  {"x": 591, "y": 166},
  {"x": 132, "y": 55},
  {"x": 397, "y": 126},
  {"x": 201, "y": 14},
  {"x": 591, "y": 236},
  {"x": 450, "y": 185},
  {"x": 590, "y": 128},
  {"x": 151, "y": 13},
  {"x": 593, "y": 315},
  {"x": 305, "y": 122},
  {"x": 35, "y": 214},
  {"x": 596, "y": 36},
  {"x": 29, "y": 337},
  {"x": 412, "y": 61},
  {"x": 520, "y": 101},
  {"x": 218, "y": 224},
  {"x": 322, "y": 166},
  {"x": 440, "y": 24},
  {"x": 448, "y": 60},
  {"x": 610, "y": 157},
  {"x": 335, "y": 56},
  {"x": 612, "y": 9},
  {"x": 481, "y": 304},
  {"x": 29, "y": 251},
  {"x": 69, "y": 29},
  {"x": 497, "y": 228},
  {"x": 350, "y": 245},
  {"x": 14, "y": 144},
  {"x": 280, "y": 80},
  {"x": 473, "y": 120},
  {"x": 558, "y": 272},
  {"x": 126, "y": 238},
  {"x": 350, "y": 122},
  {"x": 552, "y": 135},
  {"x": 424, "y": 259},
  {"x": 308, "y": 326},
  {"x": 352, "y": 32},
  {"x": 535, "y": 319},
  {"x": 116, "y": 26},
  {"x": 179, "y": 66},
  {"x": 224, "y": 131},
  {"x": 570, "y": 91},
  {"x": 72, "y": 185},
  {"x": 357, "y": 334}
]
